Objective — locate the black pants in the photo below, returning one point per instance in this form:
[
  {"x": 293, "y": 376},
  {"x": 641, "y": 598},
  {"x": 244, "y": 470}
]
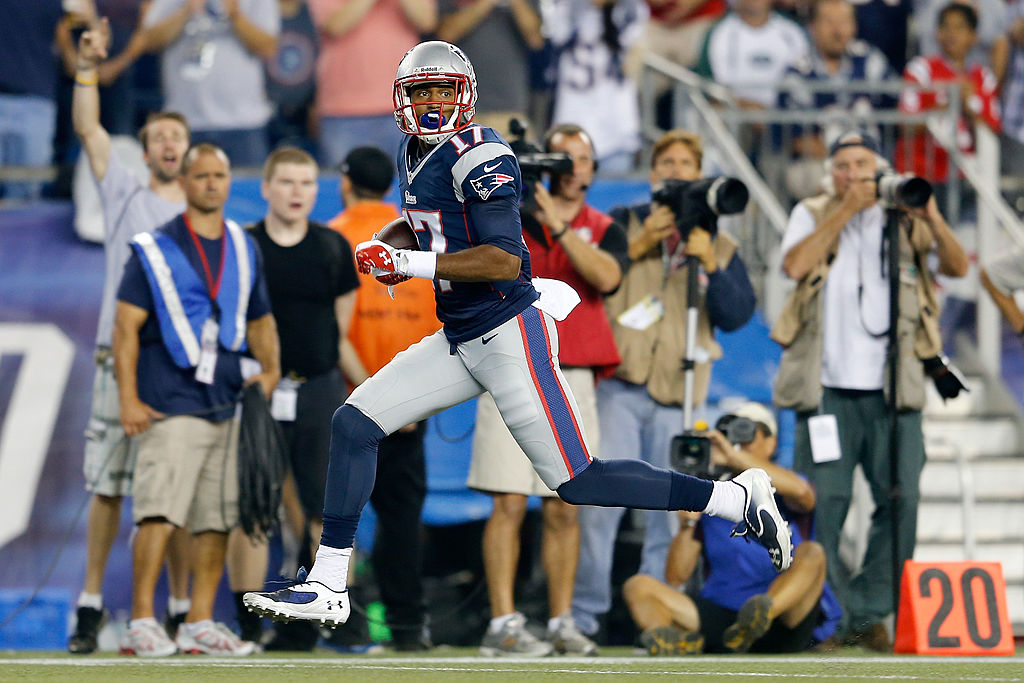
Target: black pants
[{"x": 397, "y": 499}]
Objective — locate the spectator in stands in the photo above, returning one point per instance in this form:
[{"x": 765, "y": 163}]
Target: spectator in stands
[
  {"x": 837, "y": 58},
  {"x": 957, "y": 34},
  {"x": 884, "y": 24},
  {"x": 832, "y": 330},
  {"x": 360, "y": 42},
  {"x": 677, "y": 28},
  {"x": 311, "y": 278},
  {"x": 744, "y": 605},
  {"x": 129, "y": 207},
  {"x": 178, "y": 377},
  {"x": 291, "y": 77},
  {"x": 1008, "y": 68},
  {"x": 212, "y": 69},
  {"x": 748, "y": 51},
  {"x": 497, "y": 36},
  {"x": 643, "y": 400},
  {"x": 381, "y": 328},
  {"x": 28, "y": 81},
  {"x": 592, "y": 39},
  {"x": 992, "y": 21},
  {"x": 570, "y": 241}
]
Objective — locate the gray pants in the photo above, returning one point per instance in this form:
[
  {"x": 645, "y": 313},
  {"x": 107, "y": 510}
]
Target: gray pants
[{"x": 864, "y": 439}]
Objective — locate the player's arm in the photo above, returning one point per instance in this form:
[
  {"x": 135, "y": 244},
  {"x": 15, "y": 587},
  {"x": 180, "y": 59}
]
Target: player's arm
[
  {"x": 136, "y": 416},
  {"x": 85, "y": 101},
  {"x": 484, "y": 263}
]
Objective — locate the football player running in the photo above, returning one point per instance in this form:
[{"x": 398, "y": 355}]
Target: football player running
[{"x": 460, "y": 188}]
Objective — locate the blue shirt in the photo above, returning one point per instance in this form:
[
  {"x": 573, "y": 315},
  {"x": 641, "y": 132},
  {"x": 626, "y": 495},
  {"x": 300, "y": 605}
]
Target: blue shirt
[
  {"x": 462, "y": 193},
  {"x": 162, "y": 384}
]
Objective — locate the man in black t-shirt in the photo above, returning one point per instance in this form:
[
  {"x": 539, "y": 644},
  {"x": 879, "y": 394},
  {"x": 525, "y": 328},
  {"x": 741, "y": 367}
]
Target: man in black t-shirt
[{"x": 312, "y": 281}]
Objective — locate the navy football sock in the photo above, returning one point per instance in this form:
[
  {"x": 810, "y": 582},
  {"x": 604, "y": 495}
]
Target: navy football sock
[
  {"x": 350, "y": 475},
  {"x": 635, "y": 484}
]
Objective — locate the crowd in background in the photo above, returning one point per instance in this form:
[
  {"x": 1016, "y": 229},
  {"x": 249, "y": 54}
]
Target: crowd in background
[{"x": 317, "y": 74}]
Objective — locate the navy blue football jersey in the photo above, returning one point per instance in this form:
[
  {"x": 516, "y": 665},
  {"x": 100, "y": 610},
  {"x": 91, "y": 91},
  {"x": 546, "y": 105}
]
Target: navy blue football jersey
[{"x": 442, "y": 192}]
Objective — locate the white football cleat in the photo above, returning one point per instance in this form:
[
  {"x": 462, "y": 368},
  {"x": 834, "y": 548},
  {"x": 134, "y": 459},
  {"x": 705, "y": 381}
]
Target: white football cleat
[
  {"x": 307, "y": 601},
  {"x": 761, "y": 517}
]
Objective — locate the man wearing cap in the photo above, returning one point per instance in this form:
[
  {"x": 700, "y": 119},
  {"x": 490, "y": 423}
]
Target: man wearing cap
[
  {"x": 834, "y": 331},
  {"x": 743, "y": 605},
  {"x": 381, "y": 328}
]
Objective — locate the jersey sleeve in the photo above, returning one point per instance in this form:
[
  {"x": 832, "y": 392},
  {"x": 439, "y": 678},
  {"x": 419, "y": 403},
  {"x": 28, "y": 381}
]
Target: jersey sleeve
[{"x": 486, "y": 172}]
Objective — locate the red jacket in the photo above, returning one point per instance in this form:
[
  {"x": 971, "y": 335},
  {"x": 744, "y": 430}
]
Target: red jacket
[{"x": 584, "y": 338}]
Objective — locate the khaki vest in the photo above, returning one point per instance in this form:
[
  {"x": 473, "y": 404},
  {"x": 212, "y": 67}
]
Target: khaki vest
[
  {"x": 799, "y": 327},
  {"x": 654, "y": 356}
]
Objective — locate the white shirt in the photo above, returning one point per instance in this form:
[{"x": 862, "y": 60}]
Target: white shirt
[{"x": 856, "y": 309}]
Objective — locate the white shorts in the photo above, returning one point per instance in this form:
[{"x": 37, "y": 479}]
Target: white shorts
[
  {"x": 109, "y": 454},
  {"x": 499, "y": 464},
  {"x": 516, "y": 362}
]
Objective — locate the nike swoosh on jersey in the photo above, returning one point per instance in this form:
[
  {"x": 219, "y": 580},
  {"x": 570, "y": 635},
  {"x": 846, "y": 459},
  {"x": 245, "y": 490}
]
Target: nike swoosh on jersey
[
  {"x": 487, "y": 339},
  {"x": 488, "y": 169}
]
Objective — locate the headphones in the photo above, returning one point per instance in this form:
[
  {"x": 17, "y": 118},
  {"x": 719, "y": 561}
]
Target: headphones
[{"x": 570, "y": 129}]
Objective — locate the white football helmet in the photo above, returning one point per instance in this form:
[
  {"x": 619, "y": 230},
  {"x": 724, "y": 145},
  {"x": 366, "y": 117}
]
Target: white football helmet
[{"x": 434, "y": 61}]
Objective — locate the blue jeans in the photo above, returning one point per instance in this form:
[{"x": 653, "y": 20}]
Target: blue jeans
[
  {"x": 248, "y": 147},
  {"x": 27, "y": 125},
  {"x": 339, "y": 135},
  {"x": 643, "y": 430}
]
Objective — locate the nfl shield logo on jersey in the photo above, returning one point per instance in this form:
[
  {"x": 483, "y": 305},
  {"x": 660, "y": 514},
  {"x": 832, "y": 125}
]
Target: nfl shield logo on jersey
[{"x": 486, "y": 184}]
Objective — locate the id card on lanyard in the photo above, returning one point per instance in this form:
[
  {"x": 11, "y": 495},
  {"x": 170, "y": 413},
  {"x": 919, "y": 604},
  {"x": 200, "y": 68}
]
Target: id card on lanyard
[{"x": 208, "y": 338}]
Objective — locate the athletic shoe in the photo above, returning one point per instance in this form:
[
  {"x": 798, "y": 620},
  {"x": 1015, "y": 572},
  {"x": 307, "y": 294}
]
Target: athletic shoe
[
  {"x": 306, "y": 600},
  {"x": 761, "y": 517},
  {"x": 513, "y": 640},
  {"x": 752, "y": 622},
  {"x": 567, "y": 639},
  {"x": 671, "y": 641},
  {"x": 172, "y": 622},
  {"x": 87, "y": 630},
  {"x": 209, "y": 638},
  {"x": 147, "y": 638}
]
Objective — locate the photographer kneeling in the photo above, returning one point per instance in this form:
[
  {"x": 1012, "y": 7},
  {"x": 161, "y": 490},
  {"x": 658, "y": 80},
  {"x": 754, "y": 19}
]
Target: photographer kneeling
[
  {"x": 834, "y": 329},
  {"x": 744, "y": 604}
]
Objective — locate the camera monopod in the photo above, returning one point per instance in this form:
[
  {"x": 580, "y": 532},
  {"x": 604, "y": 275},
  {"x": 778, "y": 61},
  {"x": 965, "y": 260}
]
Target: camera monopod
[{"x": 690, "y": 450}]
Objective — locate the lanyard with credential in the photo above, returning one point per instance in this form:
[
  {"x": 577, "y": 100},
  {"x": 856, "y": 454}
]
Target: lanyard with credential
[{"x": 211, "y": 328}]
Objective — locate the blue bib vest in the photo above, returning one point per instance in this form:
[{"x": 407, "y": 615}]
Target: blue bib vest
[{"x": 181, "y": 296}]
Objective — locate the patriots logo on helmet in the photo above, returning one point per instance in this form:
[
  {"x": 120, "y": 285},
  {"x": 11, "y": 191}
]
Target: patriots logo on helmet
[{"x": 486, "y": 184}]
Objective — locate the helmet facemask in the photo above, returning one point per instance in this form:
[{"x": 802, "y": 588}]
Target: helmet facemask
[{"x": 444, "y": 117}]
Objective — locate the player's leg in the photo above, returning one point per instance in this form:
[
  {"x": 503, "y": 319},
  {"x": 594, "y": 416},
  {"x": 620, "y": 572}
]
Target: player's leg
[{"x": 419, "y": 382}]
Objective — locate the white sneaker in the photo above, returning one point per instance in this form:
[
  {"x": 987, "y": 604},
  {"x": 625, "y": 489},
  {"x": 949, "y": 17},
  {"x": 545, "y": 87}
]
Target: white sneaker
[
  {"x": 209, "y": 638},
  {"x": 147, "y": 638},
  {"x": 569, "y": 640},
  {"x": 308, "y": 601},
  {"x": 761, "y": 517}
]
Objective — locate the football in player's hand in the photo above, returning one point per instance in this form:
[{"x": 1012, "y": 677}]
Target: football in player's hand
[{"x": 399, "y": 234}]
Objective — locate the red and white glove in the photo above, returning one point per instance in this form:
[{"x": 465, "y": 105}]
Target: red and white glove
[{"x": 382, "y": 261}]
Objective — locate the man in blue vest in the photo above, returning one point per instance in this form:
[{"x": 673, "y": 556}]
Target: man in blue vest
[{"x": 191, "y": 299}]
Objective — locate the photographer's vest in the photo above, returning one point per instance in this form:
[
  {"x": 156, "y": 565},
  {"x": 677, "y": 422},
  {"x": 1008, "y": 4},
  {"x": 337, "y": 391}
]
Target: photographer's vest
[
  {"x": 585, "y": 337},
  {"x": 181, "y": 296},
  {"x": 799, "y": 327},
  {"x": 654, "y": 356}
]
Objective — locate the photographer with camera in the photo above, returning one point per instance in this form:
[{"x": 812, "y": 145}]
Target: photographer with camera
[
  {"x": 743, "y": 604},
  {"x": 835, "y": 331},
  {"x": 648, "y": 314},
  {"x": 573, "y": 242}
]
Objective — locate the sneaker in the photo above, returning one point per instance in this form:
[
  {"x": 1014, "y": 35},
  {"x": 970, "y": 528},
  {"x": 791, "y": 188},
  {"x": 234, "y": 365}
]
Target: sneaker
[
  {"x": 752, "y": 622},
  {"x": 762, "y": 518},
  {"x": 147, "y": 638},
  {"x": 513, "y": 640},
  {"x": 172, "y": 622},
  {"x": 307, "y": 600},
  {"x": 87, "y": 629},
  {"x": 671, "y": 641},
  {"x": 209, "y": 638},
  {"x": 568, "y": 640}
]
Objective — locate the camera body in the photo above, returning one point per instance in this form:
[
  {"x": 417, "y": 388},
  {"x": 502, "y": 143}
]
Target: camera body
[
  {"x": 700, "y": 202},
  {"x": 895, "y": 190},
  {"x": 691, "y": 451},
  {"x": 534, "y": 162}
]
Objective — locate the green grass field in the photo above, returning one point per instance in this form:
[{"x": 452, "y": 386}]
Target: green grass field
[{"x": 461, "y": 664}]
